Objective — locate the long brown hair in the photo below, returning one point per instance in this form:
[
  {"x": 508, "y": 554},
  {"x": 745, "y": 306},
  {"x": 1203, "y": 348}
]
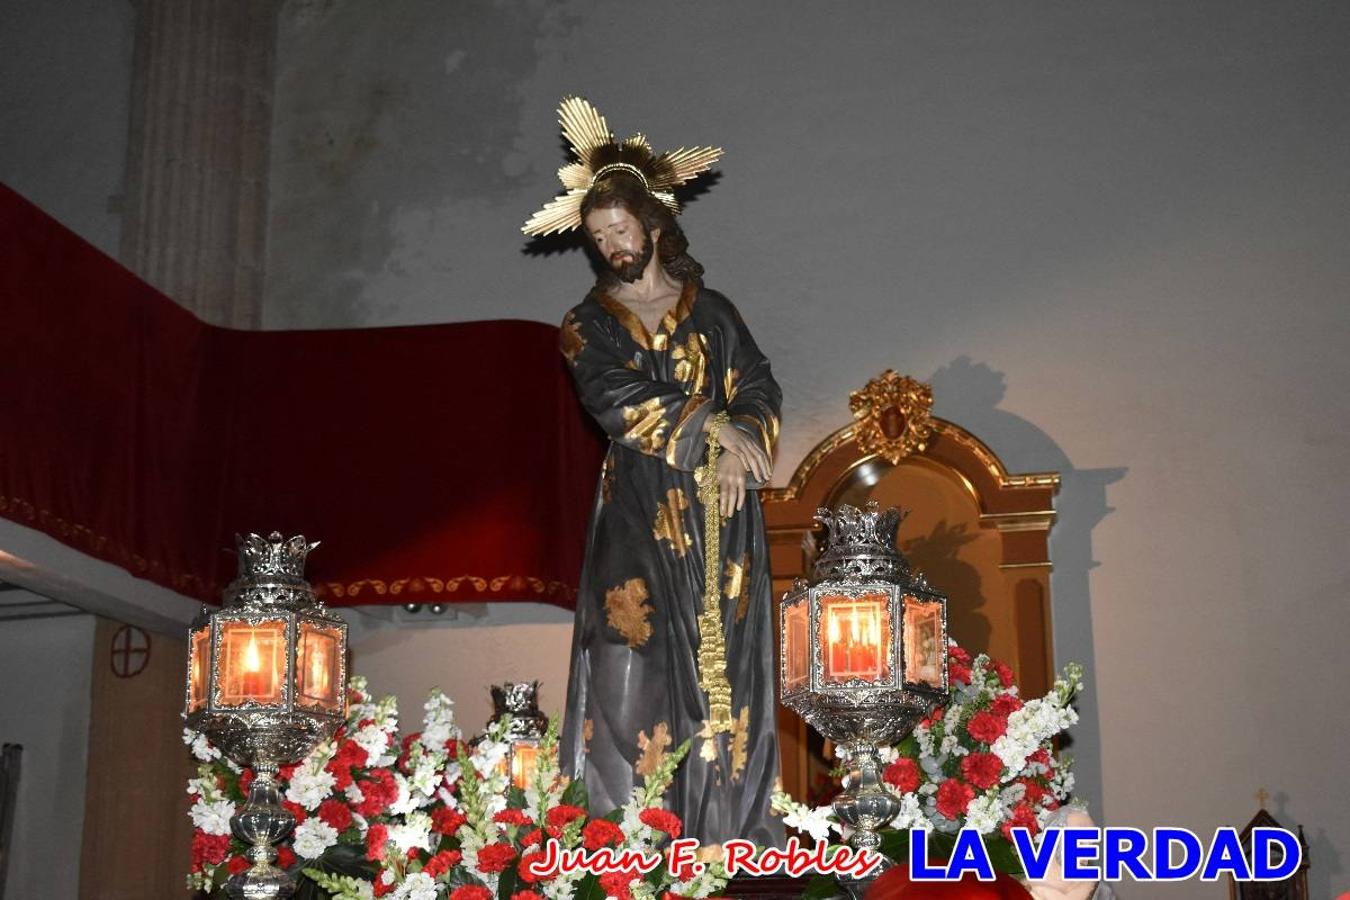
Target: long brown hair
[{"x": 672, "y": 249}]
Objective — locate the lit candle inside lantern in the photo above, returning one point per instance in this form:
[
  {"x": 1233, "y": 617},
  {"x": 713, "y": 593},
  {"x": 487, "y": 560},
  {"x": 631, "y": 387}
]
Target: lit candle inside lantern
[
  {"x": 252, "y": 664},
  {"x": 524, "y": 762}
]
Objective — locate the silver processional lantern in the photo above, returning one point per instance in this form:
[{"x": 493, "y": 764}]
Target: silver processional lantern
[
  {"x": 266, "y": 682},
  {"x": 864, "y": 655},
  {"x": 518, "y": 702}
]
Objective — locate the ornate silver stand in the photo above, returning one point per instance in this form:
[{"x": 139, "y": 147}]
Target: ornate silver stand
[{"x": 261, "y": 822}]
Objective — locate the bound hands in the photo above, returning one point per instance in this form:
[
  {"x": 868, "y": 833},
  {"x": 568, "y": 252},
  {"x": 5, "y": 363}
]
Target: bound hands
[{"x": 740, "y": 455}]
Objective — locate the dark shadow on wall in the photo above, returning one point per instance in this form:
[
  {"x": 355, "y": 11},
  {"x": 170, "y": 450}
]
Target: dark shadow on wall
[
  {"x": 968, "y": 393},
  {"x": 936, "y": 554}
]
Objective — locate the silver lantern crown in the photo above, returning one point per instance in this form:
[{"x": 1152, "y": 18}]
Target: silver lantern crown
[
  {"x": 266, "y": 682},
  {"x": 864, "y": 654}
]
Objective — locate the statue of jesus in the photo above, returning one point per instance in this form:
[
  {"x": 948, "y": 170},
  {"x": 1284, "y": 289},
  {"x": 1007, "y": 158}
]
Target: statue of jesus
[{"x": 667, "y": 367}]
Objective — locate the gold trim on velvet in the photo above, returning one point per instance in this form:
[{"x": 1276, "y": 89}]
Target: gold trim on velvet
[
  {"x": 645, "y": 424},
  {"x": 570, "y": 340},
  {"x": 419, "y": 584},
  {"x": 672, "y": 444},
  {"x": 633, "y": 323},
  {"x": 669, "y": 522}
]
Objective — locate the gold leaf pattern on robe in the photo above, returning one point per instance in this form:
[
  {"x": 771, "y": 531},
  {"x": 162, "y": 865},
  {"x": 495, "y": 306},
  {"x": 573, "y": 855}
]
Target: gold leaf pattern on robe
[
  {"x": 607, "y": 480},
  {"x": 669, "y": 524},
  {"x": 646, "y": 425},
  {"x": 707, "y": 750},
  {"x": 627, "y": 610},
  {"x": 737, "y": 585},
  {"x": 571, "y": 341},
  {"x": 588, "y": 730},
  {"x": 691, "y": 364},
  {"x": 729, "y": 383},
  {"x": 653, "y": 749},
  {"x": 740, "y": 739}
]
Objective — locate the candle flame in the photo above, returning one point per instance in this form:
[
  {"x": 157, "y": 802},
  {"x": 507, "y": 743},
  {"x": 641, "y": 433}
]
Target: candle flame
[
  {"x": 834, "y": 629},
  {"x": 252, "y": 658}
]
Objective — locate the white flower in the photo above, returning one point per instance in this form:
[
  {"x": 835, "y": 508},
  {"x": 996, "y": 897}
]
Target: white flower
[
  {"x": 201, "y": 747},
  {"x": 984, "y": 813},
  {"x": 373, "y": 740},
  {"x": 213, "y": 817},
  {"x": 488, "y": 754},
  {"x": 313, "y": 836},
  {"x": 417, "y": 886},
  {"x": 910, "y": 815},
  {"x": 309, "y": 788},
  {"x": 414, "y": 832},
  {"x": 353, "y": 794},
  {"x": 815, "y": 822},
  {"x": 404, "y": 802},
  {"x": 204, "y": 787}
]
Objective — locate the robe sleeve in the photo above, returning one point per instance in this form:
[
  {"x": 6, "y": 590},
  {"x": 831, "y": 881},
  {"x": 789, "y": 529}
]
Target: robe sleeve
[
  {"x": 754, "y": 400},
  {"x": 635, "y": 410}
]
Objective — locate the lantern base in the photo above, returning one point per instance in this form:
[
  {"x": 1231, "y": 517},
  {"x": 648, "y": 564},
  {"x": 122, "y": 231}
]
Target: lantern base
[{"x": 261, "y": 822}]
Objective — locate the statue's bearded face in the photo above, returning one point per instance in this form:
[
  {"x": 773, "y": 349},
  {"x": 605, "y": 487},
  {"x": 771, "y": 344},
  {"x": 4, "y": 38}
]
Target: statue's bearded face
[{"x": 621, "y": 240}]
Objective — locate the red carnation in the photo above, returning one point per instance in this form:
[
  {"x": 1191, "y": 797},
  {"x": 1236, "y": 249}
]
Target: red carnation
[
  {"x": 285, "y": 857},
  {"x": 532, "y": 837},
  {"x": 381, "y": 888},
  {"x": 446, "y": 821},
  {"x": 208, "y": 848},
  {"x": 616, "y": 884},
  {"x": 526, "y": 895},
  {"x": 286, "y": 773},
  {"x": 376, "y": 837},
  {"x": 335, "y": 813},
  {"x": 349, "y": 756},
  {"x": 957, "y": 671},
  {"x": 953, "y": 797},
  {"x": 245, "y": 780},
  {"x": 1041, "y": 756},
  {"x": 661, "y": 820},
  {"x": 470, "y": 892},
  {"x": 533, "y": 858},
  {"x": 903, "y": 775},
  {"x": 958, "y": 654},
  {"x": 934, "y": 716},
  {"x": 599, "y": 832},
  {"x": 512, "y": 817},
  {"x": 296, "y": 810},
  {"x": 981, "y": 769},
  {"x": 1034, "y": 791},
  {"x": 1022, "y": 817},
  {"x": 453, "y": 746},
  {"x": 377, "y": 792},
  {"x": 986, "y": 727},
  {"x": 1005, "y": 705},
  {"x": 237, "y": 864},
  {"x": 442, "y": 862},
  {"x": 495, "y": 857},
  {"x": 1004, "y": 673},
  {"x": 557, "y": 818}
]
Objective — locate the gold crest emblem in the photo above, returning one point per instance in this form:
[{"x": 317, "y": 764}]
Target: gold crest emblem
[{"x": 893, "y": 413}]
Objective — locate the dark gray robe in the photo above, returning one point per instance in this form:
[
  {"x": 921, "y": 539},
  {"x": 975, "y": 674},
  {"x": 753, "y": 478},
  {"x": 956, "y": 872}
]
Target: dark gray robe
[{"x": 633, "y": 692}]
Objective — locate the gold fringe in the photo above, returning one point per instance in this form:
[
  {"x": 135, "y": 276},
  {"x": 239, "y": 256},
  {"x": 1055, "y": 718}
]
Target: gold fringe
[{"x": 712, "y": 649}]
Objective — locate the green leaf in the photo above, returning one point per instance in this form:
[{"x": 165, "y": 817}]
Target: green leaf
[
  {"x": 589, "y": 888},
  {"x": 1002, "y": 855},
  {"x": 506, "y": 885},
  {"x": 575, "y": 794},
  {"x": 515, "y": 798}
]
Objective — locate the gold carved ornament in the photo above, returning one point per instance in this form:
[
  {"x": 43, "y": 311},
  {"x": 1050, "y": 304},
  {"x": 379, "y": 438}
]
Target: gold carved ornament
[
  {"x": 599, "y": 154},
  {"x": 894, "y": 416},
  {"x": 712, "y": 647}
]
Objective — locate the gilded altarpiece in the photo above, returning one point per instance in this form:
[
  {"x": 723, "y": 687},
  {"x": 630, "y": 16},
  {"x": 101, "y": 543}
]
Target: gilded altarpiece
[{"x": 978, "y": 532}]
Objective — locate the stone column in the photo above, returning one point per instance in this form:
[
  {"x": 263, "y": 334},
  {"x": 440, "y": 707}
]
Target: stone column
[{"x": 201, "y": 118}]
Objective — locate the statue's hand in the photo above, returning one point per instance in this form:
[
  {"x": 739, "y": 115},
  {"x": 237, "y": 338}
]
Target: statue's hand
[
  {"x": 751, "y": 455},
  {"x": 731, "y": 484}
]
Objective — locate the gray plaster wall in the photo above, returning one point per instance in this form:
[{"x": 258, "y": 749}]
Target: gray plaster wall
[
  {"x": 65, "y": 82},
  {"x": 45, "y": 670},
  {"x": 1112, "y": 235}
]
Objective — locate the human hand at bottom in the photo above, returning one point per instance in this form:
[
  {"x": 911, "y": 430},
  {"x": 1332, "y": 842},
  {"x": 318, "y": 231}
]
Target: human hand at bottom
[{"x": 730, "y": 484}]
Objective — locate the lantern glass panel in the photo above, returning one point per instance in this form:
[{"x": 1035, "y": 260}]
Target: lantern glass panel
[
  {"x": 796, "y": 647},
  {"x": 855, "y": 637},
  {"x": 252, "y": 662},
  {"x": 924, "y": 642},
  {"x": 524, "y": 762},
  {"x": 199, "y": 665},
  {"x": 318, "y": 658}
]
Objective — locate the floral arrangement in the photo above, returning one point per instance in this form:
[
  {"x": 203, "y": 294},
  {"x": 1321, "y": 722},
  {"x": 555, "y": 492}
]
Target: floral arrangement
[
  {"x": 985, "y": 760},
  {"x": 430, "y": 817}
]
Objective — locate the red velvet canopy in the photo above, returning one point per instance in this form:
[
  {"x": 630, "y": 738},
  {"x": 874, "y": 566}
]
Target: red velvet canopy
[{"x": 443, "y": 462}]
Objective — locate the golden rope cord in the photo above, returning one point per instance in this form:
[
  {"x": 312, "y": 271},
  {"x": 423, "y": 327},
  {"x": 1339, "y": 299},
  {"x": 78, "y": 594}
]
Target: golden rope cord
[{"x": 712, "y": 648}]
